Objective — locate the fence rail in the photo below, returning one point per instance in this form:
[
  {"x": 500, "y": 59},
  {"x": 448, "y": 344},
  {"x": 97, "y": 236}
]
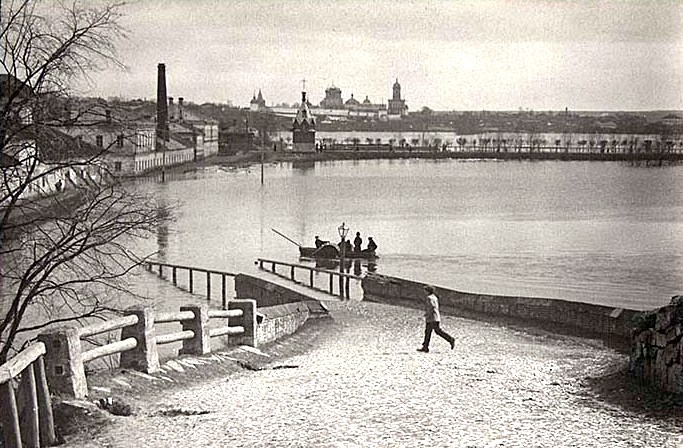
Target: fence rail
[
  {"x": 190, "y": 273},
  {"x": 215, "y": 332},
  {"x": 106, "y": 326},
  {"x": 34, "y": 403},
  {"x": 343, "y": 277},
  {"x": 173, "y": 316},
  {"x": 110, "y": 349},
  {"x": 138, "y": 341},
  {"x": 175, "y": 337}
]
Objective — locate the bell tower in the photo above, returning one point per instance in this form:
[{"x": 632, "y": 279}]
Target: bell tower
[{"x": 397, "y": 106}]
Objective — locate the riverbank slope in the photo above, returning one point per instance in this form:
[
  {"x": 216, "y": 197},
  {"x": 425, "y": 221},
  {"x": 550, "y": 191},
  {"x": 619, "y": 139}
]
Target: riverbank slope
[{"x": 357, "y": 380}]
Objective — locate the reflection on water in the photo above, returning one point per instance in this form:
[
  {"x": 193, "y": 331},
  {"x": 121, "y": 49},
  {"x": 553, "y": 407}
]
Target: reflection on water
[{"x": 609, "y": 233}]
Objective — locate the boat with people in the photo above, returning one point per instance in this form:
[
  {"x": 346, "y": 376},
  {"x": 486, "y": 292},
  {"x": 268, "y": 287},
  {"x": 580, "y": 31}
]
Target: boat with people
[
  {"x": 324, "y": 250},
  {"x": 330, "y": 251}
]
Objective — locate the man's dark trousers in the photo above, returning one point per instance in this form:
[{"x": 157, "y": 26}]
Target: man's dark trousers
[{"x": 436, "y": 328}]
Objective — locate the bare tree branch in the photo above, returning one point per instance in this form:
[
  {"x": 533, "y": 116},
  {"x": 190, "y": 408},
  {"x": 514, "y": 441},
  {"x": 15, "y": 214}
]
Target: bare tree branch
[{"x": 65, "y": 251}]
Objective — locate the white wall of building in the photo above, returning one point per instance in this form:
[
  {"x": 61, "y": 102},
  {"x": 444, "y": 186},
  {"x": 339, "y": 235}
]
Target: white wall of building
[{"x": 48, "y": 179}]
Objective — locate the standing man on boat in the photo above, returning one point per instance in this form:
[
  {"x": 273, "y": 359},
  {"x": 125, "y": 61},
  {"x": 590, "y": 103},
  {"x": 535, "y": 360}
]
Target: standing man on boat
[
  {"x": 357, "y": 242},
  {"x": 433, "y": 321}
]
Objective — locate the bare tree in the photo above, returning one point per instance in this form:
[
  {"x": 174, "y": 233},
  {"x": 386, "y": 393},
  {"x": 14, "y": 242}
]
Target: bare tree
[{"x": 66, "y": 225}]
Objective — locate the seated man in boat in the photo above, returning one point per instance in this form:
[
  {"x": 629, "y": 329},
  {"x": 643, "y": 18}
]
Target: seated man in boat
[
  {"x": 372, "y": 246},
  {"x": 319, "y": 243},
  {"x": 347, "y": 246}
]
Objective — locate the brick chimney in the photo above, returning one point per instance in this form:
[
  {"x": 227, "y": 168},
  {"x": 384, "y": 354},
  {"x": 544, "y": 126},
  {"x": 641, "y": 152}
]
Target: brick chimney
[
  {"x": 162, "y": 108},
  {"x": 171, "y": 110},
  {"x": 180, "y": 108}
]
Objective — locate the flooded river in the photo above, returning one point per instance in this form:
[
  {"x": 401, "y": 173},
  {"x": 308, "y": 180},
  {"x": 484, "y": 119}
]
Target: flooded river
[{"x": 608, "y": 233}]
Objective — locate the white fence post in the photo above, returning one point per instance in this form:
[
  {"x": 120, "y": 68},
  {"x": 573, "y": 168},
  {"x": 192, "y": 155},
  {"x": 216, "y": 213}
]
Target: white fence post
[
  {"x": 247, "y": 320},
  {"x": 64, "y": 362},
  {"x": 200, "y": 344},
  {"x": 145, "y": 356}
]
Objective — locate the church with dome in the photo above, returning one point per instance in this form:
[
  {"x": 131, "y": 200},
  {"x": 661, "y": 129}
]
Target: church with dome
[
  {"x": 352, "y": 107},
  {"x": 333, "y": 107}
]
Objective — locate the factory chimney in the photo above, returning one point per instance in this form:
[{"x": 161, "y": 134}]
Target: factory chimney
[{"x": 162, "y": 109}]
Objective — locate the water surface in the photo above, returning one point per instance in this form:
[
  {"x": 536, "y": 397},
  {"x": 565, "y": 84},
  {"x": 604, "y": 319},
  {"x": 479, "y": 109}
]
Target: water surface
[{"x": 608, "y": 233}]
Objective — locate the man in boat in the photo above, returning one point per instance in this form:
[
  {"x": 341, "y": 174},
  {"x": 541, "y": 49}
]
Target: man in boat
[
  {"x": 319, "y": 243},
  {"x": 357, "y": 242},
  {"x": 347, "y": 246},
  {"x": 372, "y": 246}
]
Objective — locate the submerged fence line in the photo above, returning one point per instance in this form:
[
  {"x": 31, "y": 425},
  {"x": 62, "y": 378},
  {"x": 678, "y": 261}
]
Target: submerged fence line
[
  {"x": 343, "y": 291},
  {"x": 191, "y": 275}
]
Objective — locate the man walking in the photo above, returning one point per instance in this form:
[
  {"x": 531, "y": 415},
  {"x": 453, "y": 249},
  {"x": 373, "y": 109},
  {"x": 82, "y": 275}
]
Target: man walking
[{"x": 433, "y": 321}]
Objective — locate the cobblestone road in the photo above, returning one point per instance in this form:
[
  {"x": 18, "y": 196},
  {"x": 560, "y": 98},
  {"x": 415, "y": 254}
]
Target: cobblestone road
[{"x": 364, "y": 385}]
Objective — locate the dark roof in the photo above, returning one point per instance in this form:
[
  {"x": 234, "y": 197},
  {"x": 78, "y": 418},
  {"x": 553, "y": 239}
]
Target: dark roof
[
  {"x": 10, "y": 84},
  {"x": 56, "y": 146},
  {"x": 8, "y": 161},
  {"x": 304, "y": 115}
]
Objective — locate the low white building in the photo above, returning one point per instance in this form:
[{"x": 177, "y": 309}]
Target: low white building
[{"x": 46, "y": 162}]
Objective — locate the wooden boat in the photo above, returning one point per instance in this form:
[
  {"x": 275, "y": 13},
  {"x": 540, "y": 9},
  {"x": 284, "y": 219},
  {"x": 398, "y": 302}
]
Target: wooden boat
[{"x": 332, "y": 252}]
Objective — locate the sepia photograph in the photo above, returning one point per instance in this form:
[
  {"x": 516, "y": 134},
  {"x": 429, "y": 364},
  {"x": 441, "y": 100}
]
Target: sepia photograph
[{"x": 341, "y": 223}]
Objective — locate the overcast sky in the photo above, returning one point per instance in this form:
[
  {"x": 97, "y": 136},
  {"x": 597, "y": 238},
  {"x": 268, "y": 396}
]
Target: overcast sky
[{"x": 448, "y": 55}]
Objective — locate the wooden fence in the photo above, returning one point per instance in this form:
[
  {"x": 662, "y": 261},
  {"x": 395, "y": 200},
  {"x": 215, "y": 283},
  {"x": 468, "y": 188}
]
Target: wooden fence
[
  {"x": 191, "y": 270},
  {"x": 343, "y": 290},
  {"x": 138, "y": 342},
  {"x": 28, "y": 370}
]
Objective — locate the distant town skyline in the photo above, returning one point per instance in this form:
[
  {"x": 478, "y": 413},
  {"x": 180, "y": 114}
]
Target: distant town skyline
[{"x": 469, "y": 55}]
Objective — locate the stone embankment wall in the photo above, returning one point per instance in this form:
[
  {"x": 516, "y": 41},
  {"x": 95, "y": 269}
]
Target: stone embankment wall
[
  {"x": 264, "y": 292},
  {"x": 612, "y": 324},
  {"x": 280, "y": 320},
  {"x": 281, "y": 311},
  {"x": 657, "y": 347}
]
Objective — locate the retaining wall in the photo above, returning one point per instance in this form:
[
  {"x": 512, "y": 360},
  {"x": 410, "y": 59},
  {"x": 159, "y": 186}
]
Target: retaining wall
[
  {"x": 281, "y": 310},
  {"x": 657, "y": 347},
  {"x": 613, "y": 324},
  {"x": 264, "y": 292},
  {"x": 280, "y": 320}
]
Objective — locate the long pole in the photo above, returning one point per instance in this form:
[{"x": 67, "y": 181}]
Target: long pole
[
  {"x": 261, "y": 164},
  {"x": 163, "y": 163},
  {"x": 286, "y": 237}
]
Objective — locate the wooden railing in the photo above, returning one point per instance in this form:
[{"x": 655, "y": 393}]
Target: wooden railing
[
  {"x": 37, "y": 428},
  {"x": 190, "y": 272},
  {"x": 138, "y": 342},
  {"x": 113, "y": 347},
  {"x": 343, "y": 290}
]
